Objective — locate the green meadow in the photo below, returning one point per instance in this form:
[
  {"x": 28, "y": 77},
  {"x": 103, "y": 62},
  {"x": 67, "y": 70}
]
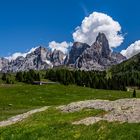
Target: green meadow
[{"x": 53, "y": 124}]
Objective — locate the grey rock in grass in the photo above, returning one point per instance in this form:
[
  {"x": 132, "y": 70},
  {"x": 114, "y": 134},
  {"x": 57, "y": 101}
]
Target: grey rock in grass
[{"x": 122, "y": 110}]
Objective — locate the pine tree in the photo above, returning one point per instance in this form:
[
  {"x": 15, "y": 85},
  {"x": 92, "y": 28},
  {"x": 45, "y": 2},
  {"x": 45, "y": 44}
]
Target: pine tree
[
  {"x": 134, "y": 93},
  {"x": 37, "y": 77},
  {"x": 4, "y": 77},
  {"x": 19, "y": 76},
  {"x": 8, "y": 81}
]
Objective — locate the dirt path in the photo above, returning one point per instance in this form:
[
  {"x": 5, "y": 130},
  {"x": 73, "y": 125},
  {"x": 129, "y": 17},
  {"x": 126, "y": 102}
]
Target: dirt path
[
  {"x": 21, "y": 117},
  {"x": 122, "y": 110}
]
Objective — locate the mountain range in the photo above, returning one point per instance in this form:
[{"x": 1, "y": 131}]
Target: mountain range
[{"x": 82, "y": 56}]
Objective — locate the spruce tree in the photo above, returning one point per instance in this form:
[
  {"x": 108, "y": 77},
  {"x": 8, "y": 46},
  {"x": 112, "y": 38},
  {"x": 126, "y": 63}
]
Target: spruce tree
[
  {"x": 134, "y": 93},
  {"x": 4, "y": 77},
  {"x": 19, "y": 76}
]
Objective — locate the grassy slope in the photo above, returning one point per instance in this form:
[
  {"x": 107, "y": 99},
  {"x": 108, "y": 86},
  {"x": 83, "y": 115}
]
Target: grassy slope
[
  {"x": 16, "y": 99},
  {"x": 129, "y": 65},
  {"x": 54, "y": 125}
]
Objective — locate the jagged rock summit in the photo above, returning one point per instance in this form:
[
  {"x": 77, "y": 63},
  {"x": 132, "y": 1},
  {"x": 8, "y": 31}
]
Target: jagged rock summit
[
  {"x": 97, "y": 56},
  {"x": 82, "y": 56}
]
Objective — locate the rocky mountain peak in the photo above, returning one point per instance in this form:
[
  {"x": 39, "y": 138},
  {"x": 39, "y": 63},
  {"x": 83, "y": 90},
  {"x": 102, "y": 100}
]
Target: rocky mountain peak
[
  {"x": 77, "y": 49},
  {"x": 78, "y": 44},
  {"x": 81, "y": 56},
  {"x": 40, "y": 50},
  {"x": 101, "y": 37},
  {"x": 58, "y": 58},
  {"x": 98, "y": 56},
  {"x": 102, "y": 45}
]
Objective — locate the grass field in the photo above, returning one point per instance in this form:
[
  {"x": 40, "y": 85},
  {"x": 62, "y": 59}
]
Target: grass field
[
  {"x": 16, "y": 99},
  {"x": 54, "y": 125}
]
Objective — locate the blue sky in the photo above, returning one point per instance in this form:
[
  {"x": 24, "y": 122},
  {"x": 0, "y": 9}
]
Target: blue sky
[{"x": 28, "y": 23}]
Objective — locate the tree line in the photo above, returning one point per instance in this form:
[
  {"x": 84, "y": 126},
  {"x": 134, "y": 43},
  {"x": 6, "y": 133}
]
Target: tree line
[
  {"x": 26, "y": 77},
  {"x": 92, "y": 79}
]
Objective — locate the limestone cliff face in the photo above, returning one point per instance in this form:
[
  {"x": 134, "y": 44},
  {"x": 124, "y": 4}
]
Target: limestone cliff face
[
  {"x": 57, "y": 58},
  {"x": 40, "y": 59},
  {"x": 3, "y": 63},
  {"x": 98, "y": 56},
  {"x": 77, "y": 49}
]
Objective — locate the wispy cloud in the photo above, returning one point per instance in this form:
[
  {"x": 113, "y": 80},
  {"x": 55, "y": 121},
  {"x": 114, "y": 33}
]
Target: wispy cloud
[{"x": 84, "y": 8}]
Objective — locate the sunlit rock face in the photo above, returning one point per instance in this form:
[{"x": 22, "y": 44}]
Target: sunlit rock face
[
  {"x": 82, "y": 56},
  {"x": 98, "y": 56}
]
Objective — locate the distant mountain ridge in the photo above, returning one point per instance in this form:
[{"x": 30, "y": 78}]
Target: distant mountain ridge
[
  {"x": 81, "y": 56},
  {"x": 130, "y": 65}
]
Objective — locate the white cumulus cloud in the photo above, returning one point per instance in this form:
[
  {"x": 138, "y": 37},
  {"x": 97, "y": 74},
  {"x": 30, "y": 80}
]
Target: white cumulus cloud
[
  {"x": 95, "y": 23},
  {"x": 63, "y": 46},
  {"x": 132, "y": 50},
  {"x": 17, "y": 54}
]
